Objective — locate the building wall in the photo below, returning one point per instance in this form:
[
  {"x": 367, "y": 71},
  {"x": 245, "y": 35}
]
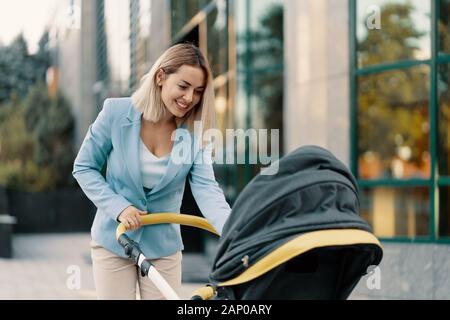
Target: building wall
[
  {"x": 409, "y": 271},
  {"x": 68, "y": 65},
  {"x": 88, "y": 107},
  {"x": 117, "y": 28},
  {"x": 160, "y": 38},
  {"x": 76, "y": 60},
  {"x": 317, "y": 106}
]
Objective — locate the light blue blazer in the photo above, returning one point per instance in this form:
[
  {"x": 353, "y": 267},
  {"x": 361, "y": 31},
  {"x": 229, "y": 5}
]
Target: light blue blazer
[{"x": 114, "y": 137}]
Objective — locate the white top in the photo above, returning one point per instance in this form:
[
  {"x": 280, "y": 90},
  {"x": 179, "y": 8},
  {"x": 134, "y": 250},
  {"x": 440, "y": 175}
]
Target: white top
[{"x": 152, "y": 167}]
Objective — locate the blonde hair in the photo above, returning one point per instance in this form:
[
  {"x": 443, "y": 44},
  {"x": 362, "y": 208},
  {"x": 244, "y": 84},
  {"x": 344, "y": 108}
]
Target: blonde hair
[{"x": 147, "y": 98}]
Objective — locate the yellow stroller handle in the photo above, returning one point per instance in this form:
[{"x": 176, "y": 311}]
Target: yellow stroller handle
[
  {"x": 133, "y": 251},
  {"x": 183, "y": 219}
]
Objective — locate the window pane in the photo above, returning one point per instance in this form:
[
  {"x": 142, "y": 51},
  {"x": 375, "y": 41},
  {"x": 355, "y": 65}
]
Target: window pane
[
  {"x": 240, "y": 16},
  {"x": 266, "y": 33},
  {"x": 397, "y": 211},
  {"x": 217, "y": 39},
  {"x": 444, "y": 26},
  {"x": 241, "y": 109},
  {"x": 267, "y": 101},
  {"x": 393, "y": 124},
  {"x": 223, "y": 123},
  {"x": 392, "y": 30},
  {"x": 444, "y": 120},
  {"x": 183, "y": 11},
  {"x": 444, "y": 211},
  {"x": 266, "y": 112},
  {"x": 178, "y": 10}
]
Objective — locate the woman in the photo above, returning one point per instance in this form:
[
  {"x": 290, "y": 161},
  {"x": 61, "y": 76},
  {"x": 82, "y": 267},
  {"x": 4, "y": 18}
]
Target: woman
[{"x": 144, "y": 173}]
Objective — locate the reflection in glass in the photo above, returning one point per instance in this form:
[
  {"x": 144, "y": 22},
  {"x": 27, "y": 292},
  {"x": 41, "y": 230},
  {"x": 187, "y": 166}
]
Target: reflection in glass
[
  {"x": 259, "y": 100},
  {"x": 404, "y": 32},
  {"x": 221, "y": 108},
  {"x": 240, "y": 16},
  {"x": 444, "y": 26},
  {"x": 393, "y": 124},
  {"x": 240, "y": 112},
  {"x": 266, "y": 33},
  {"x": 444, "y": 211},
  {"x": 397, "y": 212},
  {"x": 183, "y": 11},
  {"x": 267, "y": 101},
  {"x": 266, "y": 113},
  {"x": 260, "y": 46},
  {"x": 217, "y": 39},
  {"x": 444, "y": 119}
]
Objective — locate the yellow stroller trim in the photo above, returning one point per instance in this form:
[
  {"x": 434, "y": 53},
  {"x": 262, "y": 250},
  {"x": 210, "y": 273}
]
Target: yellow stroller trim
[{"x": 300, "y": 245}]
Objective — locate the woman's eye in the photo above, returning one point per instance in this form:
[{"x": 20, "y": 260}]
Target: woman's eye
[{"x": 182, "y": 87}]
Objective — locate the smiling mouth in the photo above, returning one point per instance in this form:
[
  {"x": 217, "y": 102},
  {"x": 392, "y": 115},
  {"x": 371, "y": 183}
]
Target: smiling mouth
[{"x": 182, "y": 105}]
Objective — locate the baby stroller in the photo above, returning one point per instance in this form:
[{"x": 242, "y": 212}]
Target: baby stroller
[{"x": 296, "y": 234}]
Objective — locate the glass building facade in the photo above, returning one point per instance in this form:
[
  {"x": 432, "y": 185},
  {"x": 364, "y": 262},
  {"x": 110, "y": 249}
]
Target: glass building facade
[
  {"x": 400, "y": 120},
  {"x": 243, "y": 41}
]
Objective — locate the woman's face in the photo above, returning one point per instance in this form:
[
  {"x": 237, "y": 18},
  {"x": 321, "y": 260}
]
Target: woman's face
[{"x": 183, "y": 90}]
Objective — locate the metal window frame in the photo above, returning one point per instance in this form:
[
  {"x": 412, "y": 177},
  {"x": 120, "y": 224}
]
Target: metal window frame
[{"x": 434, "y": 182}]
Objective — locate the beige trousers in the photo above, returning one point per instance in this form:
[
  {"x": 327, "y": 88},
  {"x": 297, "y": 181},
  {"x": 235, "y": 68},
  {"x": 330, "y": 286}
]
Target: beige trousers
[{"x": 118, "y": 278}]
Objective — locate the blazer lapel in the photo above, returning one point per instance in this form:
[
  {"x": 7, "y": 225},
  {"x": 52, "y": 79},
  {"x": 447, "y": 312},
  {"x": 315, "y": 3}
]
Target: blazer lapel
[{"x": 130, "y": 135}]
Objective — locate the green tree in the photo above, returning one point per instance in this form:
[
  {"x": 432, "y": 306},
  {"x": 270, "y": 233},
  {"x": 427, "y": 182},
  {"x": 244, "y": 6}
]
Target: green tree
[
  {"x": 52, "y": 125},
  {"x": 42, "y": 60},
  {"x": 36, "y": 144},
  {"x": 19, "y": 70}
]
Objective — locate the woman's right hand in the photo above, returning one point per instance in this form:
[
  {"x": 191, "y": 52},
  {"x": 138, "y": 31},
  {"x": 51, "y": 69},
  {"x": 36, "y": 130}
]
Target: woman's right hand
[{"x": 131, "y": 218}]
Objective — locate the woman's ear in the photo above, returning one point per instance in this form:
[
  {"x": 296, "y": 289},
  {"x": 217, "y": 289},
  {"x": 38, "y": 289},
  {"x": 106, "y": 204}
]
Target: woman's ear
[{"x": 160, "y": 77}]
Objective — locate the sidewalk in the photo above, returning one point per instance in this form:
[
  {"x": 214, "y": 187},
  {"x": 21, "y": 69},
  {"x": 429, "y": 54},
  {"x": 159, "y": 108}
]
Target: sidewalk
[{"x": 44, "y": 266}]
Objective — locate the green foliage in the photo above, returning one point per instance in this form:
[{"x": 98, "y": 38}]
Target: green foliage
[
  {"x": 397, "y": 38},
  {"x": 19, "y": 71},
  {"x": 393, "y": 105},
  {"x": 36, "y": 148}
]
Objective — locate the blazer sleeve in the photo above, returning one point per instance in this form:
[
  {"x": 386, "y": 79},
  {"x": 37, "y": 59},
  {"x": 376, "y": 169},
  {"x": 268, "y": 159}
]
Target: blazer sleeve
[
  {"x": 206, "y": 191},
  {"x": 89, "y": 162}
]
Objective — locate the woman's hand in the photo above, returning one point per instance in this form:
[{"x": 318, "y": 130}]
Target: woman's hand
[{"x": 131, "y": 218}]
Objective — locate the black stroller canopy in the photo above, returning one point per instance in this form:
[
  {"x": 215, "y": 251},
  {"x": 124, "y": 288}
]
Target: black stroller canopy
[{"x": 311, "y": 191}]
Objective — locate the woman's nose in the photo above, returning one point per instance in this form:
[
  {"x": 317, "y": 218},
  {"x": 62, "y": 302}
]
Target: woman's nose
[{"x": 188, "y": 96}]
